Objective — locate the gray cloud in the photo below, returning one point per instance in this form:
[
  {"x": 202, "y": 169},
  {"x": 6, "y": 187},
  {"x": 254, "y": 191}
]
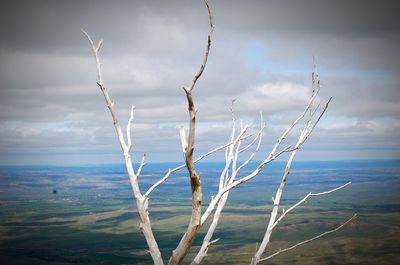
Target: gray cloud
[
  {"x": 261, "y": 55},
  {"x": 344, "y": 18}
]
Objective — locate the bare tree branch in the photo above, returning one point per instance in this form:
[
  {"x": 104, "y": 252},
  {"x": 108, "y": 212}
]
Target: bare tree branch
[
  {"x": 170, "y": 171},
  {"x": 195, "y": 221},
  {"x": 237, "y": 182},
  {"x": 285, "y": 212},
  {"x": 304, "y": 134},
  {"x": 220, "y": 148},
  {"x": 207, "y": 242},
  {"x": 228, "y": 177},
  {"x": 205, "y": 58},
  {"x": 128, "y": 129},
  {"x": 259, "y": 136},
  {"x": 229, "y": 150},
  {"x": 142, "y": 163},
  {"x": 274, "y": 212},
  {"x": 289, "y": 129},
  {"x": 319, "y": 118},
  {"x": 141, "y": 201},
  {"x": 100, "y": 83},
  {"x": 309, "y": 240},
  {"x": 272, "y": 156},
  {"x": 230, "y": 161},
  {"x": 262, "y": 126},
  {"x": 182, "y": 137}
]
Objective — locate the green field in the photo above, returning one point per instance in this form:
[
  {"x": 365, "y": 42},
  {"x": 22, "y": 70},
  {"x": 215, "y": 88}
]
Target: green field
[{"x": 90, "y": 227}]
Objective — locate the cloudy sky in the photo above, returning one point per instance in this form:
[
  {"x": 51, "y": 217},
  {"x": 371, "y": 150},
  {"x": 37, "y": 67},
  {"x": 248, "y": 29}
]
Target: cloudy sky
[{"x": 52, "y": 112}]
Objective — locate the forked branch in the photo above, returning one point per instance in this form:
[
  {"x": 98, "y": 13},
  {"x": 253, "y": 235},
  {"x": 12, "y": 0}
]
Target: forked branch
[
  {"x": 229, "y": 176},
  {"x": 201, "y": 157},
  {"x": 308, "y": 128},
  {"x": 141, "y": 201},
  {"x": 188, "y": 148},
  {"x": 285, "y": 212},
  {"x": 231, "y": 157},
  {"x": 309, "y": 240}
]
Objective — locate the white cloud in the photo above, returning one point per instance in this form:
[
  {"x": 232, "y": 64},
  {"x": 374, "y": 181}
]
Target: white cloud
[
  {"x": 27, "y": 132},
  {"x": 275, "y": 97},
  {"x": 49, "y": 102}
]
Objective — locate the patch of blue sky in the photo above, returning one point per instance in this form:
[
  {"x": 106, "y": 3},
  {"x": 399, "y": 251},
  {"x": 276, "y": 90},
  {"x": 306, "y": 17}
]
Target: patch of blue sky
[
  {"x": 60, "y": 126},
  {"x": 256, "y": 56},
  {"x": 370, "y": 75},
  {"x": 329, "y": 121}
]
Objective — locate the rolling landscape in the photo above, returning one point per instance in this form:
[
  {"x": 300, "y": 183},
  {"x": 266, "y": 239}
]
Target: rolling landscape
[
  {"x": 86, "y": 215},
  {"x": 73, "y": 110}
]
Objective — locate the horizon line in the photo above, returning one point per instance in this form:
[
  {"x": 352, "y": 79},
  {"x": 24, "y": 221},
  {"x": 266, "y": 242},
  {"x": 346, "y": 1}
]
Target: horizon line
[{"x": 203, "y": 162}]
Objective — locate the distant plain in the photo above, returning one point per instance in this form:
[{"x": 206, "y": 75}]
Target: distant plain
[{"x": 86, "y": 215}]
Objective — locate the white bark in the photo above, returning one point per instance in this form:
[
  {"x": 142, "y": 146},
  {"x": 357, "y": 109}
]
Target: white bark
[
  {"x": 228, "y": 177},
  {"x": 285, "y": 212},
  {"x": 188, "y": 147},
  {"x": 304, "y": 134},
  {"x": 232, "y": 153},
  {"x": 141, "y": 201},
  {"x": 170, "y": 171},
  {"x": 272, "y": 155},
  {"x": 309, "y": 240}
]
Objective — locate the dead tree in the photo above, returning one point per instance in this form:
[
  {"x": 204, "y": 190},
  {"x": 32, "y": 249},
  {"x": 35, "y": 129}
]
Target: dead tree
[{"x": 239, "y": 141}]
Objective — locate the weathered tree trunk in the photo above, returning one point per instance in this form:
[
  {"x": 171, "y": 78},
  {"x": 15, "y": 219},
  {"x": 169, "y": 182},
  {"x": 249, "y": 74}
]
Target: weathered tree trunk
[{"x": 228, "y": 178}]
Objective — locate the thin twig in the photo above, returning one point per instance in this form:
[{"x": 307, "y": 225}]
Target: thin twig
[
  {"x": 141, "y": 201},
  {"x": 128, "y": 129},
  {"x": 207, "y": 51},
  {"x": 142, "y": 163},
  {"x": 304, "y": 199},
  {"x": 201, "y": 157},
  {"x": 308, "y": 240},
  {"x": 237, "y": 182}
]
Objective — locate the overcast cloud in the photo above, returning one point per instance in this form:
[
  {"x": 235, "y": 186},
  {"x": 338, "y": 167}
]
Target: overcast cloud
[{"x": 52, "y": 112}]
